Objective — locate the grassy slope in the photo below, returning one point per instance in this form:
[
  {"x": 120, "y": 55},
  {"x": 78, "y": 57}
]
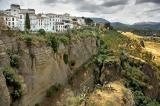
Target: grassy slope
[
  {"x": 150, "y": 46},
  {"x": 113, "y": 94},
  {"x": 131, "y": 45}
]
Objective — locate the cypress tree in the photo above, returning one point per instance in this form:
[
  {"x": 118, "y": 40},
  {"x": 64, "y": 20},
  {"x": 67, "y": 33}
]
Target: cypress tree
[{"x": 27, "y": 22}]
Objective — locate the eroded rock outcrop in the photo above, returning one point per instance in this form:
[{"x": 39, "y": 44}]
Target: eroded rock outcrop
[
  {"x": 4, "y": 93},
  {"x": 41, "y": 68}
]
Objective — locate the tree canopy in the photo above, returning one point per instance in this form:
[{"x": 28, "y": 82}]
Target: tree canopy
[
  {"x": 27, "y": 22},
  {"x": 89, "y": 21}
]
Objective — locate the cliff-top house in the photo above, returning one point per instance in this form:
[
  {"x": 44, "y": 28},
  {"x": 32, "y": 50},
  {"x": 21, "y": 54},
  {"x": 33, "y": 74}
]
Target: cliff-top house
[{"x": 15, "y": 19}]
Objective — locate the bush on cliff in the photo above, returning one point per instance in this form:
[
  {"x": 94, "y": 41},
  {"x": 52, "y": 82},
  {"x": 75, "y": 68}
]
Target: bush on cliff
[
  {"x": 13, "y": 81},
  {"x": 64, "y": 40},
  {"x": 14, "y": 61},
  {"x": 53, "y": 90},
  {"x": 137, "y": 81},
  {"x": 28, "y": 40},
  {"x": 14, "y": 58},
  {"x": 65, "y": 58},
  {"x": 41, "y": 32},
  {"x": 53, "y": 42}
]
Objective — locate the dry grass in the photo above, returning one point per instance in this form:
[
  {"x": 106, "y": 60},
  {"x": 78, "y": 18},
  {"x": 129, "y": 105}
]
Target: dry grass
[
  {"x": 154, "y": 48},
  {"x": 111, "y": 95},
  {"x": 150, "y": 46},
  {"x": 132, "y": 36}
]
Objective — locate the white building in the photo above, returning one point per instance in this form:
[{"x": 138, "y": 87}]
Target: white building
[
  {"x": 15, "y": 18},
  {"x": 11, "y": 21},
  {"x": 81, "y": 21},
  {"x": 78, "y": 22}
]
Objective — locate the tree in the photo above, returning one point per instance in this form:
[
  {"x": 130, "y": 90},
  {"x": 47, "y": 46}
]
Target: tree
[
  {"x": 89, "y": 21},
  {"x": 27, "y": 22},
  {"x": 108, "y": 25},
  {"x": 41, "y": 32}
]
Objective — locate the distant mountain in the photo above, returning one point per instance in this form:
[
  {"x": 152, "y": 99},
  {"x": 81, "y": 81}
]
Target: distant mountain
[
  {"x": 100, "y": 20},
  {"x": 147, "y": 25},
  {"x": 121, "y": 26},
  {"x": 141, "y": 25},
  {"x": 127, "y": 27}
]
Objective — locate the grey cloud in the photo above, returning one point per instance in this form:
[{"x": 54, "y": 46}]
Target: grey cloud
[
  {"x": 107, "y": 7},
  {"x": 114, "y": 3},
  {"x": 147, "y": 1},
  {"x": 98, "y": 9},
  {"x": 63, "y": 1},
  {"x": 87, "y": 6},
  {"x": 153, "y": 10},
  {"x": 55, "y": 1}
]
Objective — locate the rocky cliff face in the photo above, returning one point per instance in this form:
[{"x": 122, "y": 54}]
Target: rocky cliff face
[
  {"x": 4, "y": 94},
  {"x": 40, "y": 67}
]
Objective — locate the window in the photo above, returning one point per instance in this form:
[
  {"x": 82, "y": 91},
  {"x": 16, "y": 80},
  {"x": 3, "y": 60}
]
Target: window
[
  {"x": 20, "y": 16},
  {"x": 13, "y": 23},
  {"x": 9, "y": 23},
  {"x": 12, "y": 19},
  {"x": 6, "y": 19}
]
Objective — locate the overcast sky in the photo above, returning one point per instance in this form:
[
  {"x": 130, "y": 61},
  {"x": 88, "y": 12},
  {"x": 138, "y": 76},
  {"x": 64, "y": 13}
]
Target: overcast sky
[{"x": 125, "y": 11}]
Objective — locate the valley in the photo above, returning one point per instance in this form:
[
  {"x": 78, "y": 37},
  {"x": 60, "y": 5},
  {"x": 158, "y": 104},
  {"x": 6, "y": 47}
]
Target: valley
[{"x": 81, "y": 67}]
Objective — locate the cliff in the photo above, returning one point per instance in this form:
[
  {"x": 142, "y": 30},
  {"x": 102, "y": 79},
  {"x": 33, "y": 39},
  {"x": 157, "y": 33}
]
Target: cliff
[
  {"x": 39, "y": 67},
  {"x": 4, "y": 94}
]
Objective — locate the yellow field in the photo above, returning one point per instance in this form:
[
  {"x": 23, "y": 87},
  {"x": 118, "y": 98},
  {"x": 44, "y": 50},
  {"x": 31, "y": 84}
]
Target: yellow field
[
  {"x": 150, "y": 46},
  {"x": 154, "y": 48},
  {"x": 131, "y": 35}
]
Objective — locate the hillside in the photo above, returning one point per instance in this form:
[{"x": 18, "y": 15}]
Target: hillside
[
  {"x": 137, "y": 26},
  {"x": 150, "y": 45},
  {"x": 100, "y": 20},
  {"x": 81, "y": 67},
  {"x": 147, "y": 25}
]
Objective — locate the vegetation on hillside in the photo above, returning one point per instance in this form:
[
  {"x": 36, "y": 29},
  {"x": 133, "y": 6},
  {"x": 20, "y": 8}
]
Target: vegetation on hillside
[
  {"x": 13, "y": 81},
  {"x": 112, "y": 46},
  {"x": 133, "y": 75},
  {"x": 89, "y": 21}
]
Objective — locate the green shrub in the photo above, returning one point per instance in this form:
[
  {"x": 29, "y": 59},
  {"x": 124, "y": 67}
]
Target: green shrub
[
  {"x": 136, "y": 80},
  {"x": 53, "y": 42},
  {"x": 37, "y": 104},
  {"x": 147, "y": 56},
  {"x": 65, "y": 58},
  {"x": 28, "y": 40},
  {"x": 53, "y": 90},
  {"x": 14, "y": 61},
  {"x": 9, "y": 76},
  {"x": 13, "y": 81},
  {"x": 64, "y": 40},
  {"x": 16, "y": 94},
  {"x": 41, "y": 32}
]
